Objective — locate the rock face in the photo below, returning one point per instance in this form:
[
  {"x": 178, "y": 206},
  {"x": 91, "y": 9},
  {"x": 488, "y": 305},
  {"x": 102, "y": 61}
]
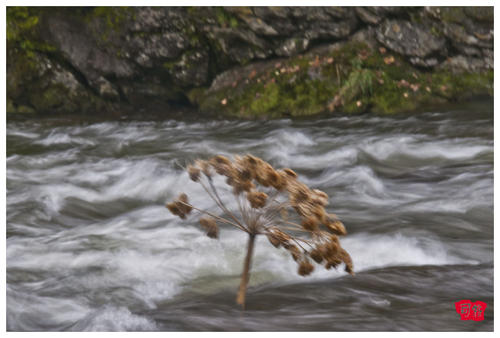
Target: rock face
[{"x": 132, "y": 60}]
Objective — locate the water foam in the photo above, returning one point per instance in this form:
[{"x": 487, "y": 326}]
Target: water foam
[{"x": 420, "y": 147}]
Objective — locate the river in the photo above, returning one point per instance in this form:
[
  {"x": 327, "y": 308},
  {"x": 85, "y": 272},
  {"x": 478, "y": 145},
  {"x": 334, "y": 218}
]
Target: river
[{"x": 91, "y": 246}]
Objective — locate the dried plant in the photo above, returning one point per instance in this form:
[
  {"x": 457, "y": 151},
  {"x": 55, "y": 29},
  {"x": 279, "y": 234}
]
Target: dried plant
[{"x": 273, "y": 203}]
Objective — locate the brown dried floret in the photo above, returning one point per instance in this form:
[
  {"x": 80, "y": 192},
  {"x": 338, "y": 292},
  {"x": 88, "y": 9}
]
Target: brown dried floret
[
  {"x": 221, "y": 160},
  {"x": 290, "y": 172},
  {"x": 301, "y": 194},
  {"x": 332, "y": 263},
  {"x": 183, "y": 203},
  {"x": 346, "y": 258},
  {"x": 305, "y": 268},
  {"x": 320, "y": 197},
  {"x": 275, "y": 180},
  {"x": 194, "y": 173},
  {"x": 310, "y": 223},
  {"x": 180, "y": 207},
  {"x": 263, "y": 173},
  {"x": 210, "y": 225},
  {"x": 251, "y": 160},
  {"x": 282, "y": 237},
  {"x": 284, "y": 177},
  {"x": 244, "y": 174},
  {"x": 205, "y": 167},
  {"x": 316, "y": 255},
  {"x": 257, "y": 199},
  {"x": 241, "y": 186},
  {"x": 332, "y": 248},
  {"x": 334, "y": 239},
  {"x": 173, "y": 207},
  {"x": 224, "y": 170},
  {"x": 222, "y": 165},
  {"x": 295, "y": 252},
  {"x": 337, "y": 227},
  {"x": 273, "y": 240},
  {"x": 319, "y": 212}
]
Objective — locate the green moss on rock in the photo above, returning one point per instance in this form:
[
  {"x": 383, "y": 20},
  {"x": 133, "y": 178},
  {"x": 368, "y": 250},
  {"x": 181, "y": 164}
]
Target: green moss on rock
[{"x": 351, "y": 79}]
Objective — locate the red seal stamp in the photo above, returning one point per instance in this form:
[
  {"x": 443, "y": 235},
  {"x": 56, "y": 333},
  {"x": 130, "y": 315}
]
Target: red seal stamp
[{"x": 470, "y": 311}]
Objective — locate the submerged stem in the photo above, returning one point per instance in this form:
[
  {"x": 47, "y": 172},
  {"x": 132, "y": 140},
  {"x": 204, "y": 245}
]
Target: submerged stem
[{"x": 245, "y": 277}]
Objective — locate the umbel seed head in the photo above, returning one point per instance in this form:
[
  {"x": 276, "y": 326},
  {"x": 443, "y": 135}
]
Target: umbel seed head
[{"x": 269, "y": 202}]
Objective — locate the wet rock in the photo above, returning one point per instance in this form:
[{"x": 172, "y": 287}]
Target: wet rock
[
  {"x": 421, "y": 62},
  {"x": 329, "y": 30},
  {"x": 368, "y": 16},
  {"x": 240, "y": 45},
  {"x": 83, "y": 53},
  {"x": 488, "y": 58},
  {"x": 157, "y": 46},
  {"x": 366, "y": 36},
  {"x": 292, "y": 47},
  {"x": 260, "y": 27},
  {"x": 458, "y": 35},
  {"x": 192, "y": 69},
  {"x": 278, "y": 18},
  {"x": 158, "y": 19},
  {"x": 106, "y": 89},
  {"x": 461, "y": 63},
  {"x": 484, "y": 14},
  {"x": 409, "y": 39}
]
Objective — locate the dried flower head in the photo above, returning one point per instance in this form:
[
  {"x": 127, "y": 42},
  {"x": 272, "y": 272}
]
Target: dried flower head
[
  {"x": 290, "y": 173},
  {"x": 205, "y": 167},
  {"x": 174, "y": 209},
  {"x": 320, "y": 197},
  {"x": 273, "y": 239},
  {"x": 337, "y": 227},
  {"x": 268, "y": 202},
  {"x": 305, "y": 268},
  {"x": 257, "y": 199},
  {"x": 310, "y": 224},
  {"x": 180, "y": 207},
  {"x": 210, "y": 225},
  {"x": 316, "y": 255},
  {"x": 295, "y": 252},
  {"x": 194, "y": 173}
]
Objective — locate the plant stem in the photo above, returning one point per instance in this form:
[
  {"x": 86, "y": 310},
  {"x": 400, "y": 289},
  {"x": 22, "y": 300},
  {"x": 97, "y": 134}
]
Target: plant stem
[{"x": 245, "y": 277}]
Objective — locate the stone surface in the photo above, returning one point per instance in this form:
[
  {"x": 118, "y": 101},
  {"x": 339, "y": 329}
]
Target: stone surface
[{"x": 409, "y": 39}]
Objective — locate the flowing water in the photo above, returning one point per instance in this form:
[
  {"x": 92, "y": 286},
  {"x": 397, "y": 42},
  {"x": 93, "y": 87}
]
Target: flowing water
[{"x": 91, "y": 246}]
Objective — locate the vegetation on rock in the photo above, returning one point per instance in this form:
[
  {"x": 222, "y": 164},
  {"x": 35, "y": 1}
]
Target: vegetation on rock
[{"x": 352, "y": 78}]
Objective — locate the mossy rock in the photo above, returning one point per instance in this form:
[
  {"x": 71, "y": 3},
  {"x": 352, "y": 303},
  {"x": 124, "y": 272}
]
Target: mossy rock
[{"x": 349, "y": 79}]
